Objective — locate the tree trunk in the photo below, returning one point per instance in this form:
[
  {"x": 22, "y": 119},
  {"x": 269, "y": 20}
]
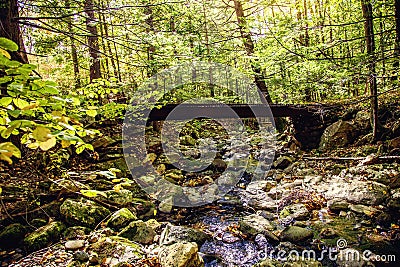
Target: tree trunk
[
  {"x": 151, "y": 69},
  {"x": 397, "y": 41},
  {"x": 370, "y": 46},
  {"x": 9, "y": 28},
  {"x": 93, "y": 41},
  {"x": 249, "y": 47},
  {"x": 74, "y": 54}
]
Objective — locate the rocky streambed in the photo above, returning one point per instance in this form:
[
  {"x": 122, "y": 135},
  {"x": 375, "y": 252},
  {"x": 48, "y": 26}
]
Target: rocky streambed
[{"x": 301, "y": 213}]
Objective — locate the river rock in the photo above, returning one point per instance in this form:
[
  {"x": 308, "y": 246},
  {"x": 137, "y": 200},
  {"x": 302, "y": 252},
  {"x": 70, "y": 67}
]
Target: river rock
[
  {"x": 296, "y": 234},
  {"x": 138, "y": 231},
  {"x": 351, "y": 258},
  {"x": 12, "y": 235},
  {"x": 121, "y": 197},
  {"x": 338, "y": 134},
  {"x": 283, "y": 162},
  {"x": 295, "y": 211},
  {"x": 394, "y": 202},
  {"x": 180, "y": 255},
  {"x": 115, "y": 251},
  {"x": 68, "y": 186},
  {"x": 358, "y": 192},
  {"x": 44, "y": 236},
  {"x": 121, "y": 219},
  {"x": 255, "y": 224},
  {"x": 74, "y": 244},
  {"x": 337, "y": 204},
  {"x": 75, "y": 232},
  {"x": 83, "y": 212},
  {"x": 174, "y": 234}
]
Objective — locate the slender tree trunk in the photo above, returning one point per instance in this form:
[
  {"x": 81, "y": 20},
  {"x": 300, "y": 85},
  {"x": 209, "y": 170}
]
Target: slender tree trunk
[
  {"x": 9, "y": 28},
  {"x": 370, "y": 46},
  {"x": 151, "y": 69},
  {"x": 249, "y": 47},
  {"x": 105, "y": 64},
  {"x": 93, "y": 41},
  {"x": 397, "y": 41},
  {"x": 74, "y": 53},
  {"x": 110, "y": 54}
]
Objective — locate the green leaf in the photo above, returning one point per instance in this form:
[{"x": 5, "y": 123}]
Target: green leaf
[
  {"x": 5, "y": 79},
  {"x": 5, "y": 101},
  {"x": 91, "y": 113},
  {"x": 14, "y": 113},
  {"x": 8, "y": 44},
  {"x": 41, "y": 134}
]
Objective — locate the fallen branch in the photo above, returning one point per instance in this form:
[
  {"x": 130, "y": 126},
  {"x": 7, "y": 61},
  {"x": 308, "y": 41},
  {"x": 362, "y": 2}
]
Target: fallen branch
[{"x": 381, "y": 158}]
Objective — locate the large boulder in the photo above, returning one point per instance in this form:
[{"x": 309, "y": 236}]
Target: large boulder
[
  {"x": 44, "y": 236},
  {"x": 363, "y": 121},
  {"x": 83, "y": 212},
  {"x": 338, "y": 134},
  {"x": 180, "y": 255}
]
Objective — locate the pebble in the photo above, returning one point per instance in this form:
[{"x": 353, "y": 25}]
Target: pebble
[{"x": 81, "y": 256}]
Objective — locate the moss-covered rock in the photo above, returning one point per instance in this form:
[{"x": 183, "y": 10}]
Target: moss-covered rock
[
  {"x": 180, "y": 255},
  {"x": 339, "y": 134},
  {"x": 83, "y": 212},
  {"x": 12, "y": 235},
  {"x": 121, "y": 219},
  {"x": 173, "y": 234},
  {"x": 296, "y": 234},
  {"x": 121, "y": 249},
  {"x": 255, "y": 224},
  {"x": 75, "y": 232},
  {"x": 44, "y": 236},
  {"x": 138, "y": 231},
  {"x": 121, "y": 197}
]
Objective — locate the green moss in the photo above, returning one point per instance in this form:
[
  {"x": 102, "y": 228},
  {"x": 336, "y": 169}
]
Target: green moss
[{"x": 44, "y": 236}]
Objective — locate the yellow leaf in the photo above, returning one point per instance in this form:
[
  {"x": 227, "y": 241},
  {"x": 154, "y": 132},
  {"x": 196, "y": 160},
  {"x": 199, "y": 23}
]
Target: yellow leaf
[
  {"x": 5, "y": 53},
  {"x": 5, "y": 158},
  {"x": 117, "y": 188},
  {"x": 41, "y": 134},
  {"x": 1, "y": 190},
  {"x": 48, "y": 144},
  {"x": 31, "y": 106},
  {"x": 65, "y": 143},
  {"x": 34, "y": 145}
]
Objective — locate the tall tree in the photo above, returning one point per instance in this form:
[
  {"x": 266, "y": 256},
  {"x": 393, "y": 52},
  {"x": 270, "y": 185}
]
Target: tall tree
[
  {"x": 93, "y": 41},
  {"x": 370, "y": 46},
  {"x": 249, "y": 47},
  {"x": 397, "y": 40},
  {"x": 74, "y": 53},
  {"x": 9, "y": 28}
]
